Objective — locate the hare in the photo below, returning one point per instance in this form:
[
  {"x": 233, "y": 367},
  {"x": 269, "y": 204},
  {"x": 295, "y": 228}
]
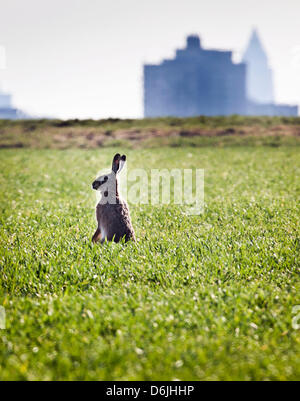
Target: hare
[{"x": 112, "y": 212}]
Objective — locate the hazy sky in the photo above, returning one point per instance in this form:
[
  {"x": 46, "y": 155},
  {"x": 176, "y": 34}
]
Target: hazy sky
[{"x": 84, "y": 58}]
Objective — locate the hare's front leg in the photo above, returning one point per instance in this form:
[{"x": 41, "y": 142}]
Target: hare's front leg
[{"x": 97, "y": 235}]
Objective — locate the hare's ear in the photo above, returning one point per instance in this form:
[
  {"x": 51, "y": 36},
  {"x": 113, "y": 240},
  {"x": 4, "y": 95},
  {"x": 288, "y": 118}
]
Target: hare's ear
[
  {"x": 116, "y": 163},
  {"x": 122, "y": 162}
]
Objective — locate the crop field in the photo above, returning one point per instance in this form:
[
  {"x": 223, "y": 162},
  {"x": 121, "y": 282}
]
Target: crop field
[{"x": 204, "y": 297}]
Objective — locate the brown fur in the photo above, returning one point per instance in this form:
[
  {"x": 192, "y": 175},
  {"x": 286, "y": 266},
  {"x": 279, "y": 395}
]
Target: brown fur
[
  {"x": 116, "y": 221},
  {"x": 97, "y": 235}
]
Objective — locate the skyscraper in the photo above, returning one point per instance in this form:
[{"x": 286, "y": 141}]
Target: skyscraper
[
  {"x": 197, "y": 81},
  {"x": 259, "y": 81},
  {"x": 6, "y": 109},
  {"x": 207, "y": 82}
]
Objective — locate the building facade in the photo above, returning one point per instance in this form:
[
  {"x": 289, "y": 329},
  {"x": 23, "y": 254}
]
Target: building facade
[
  {"x": 259, "y": 79},
  {"x": 7, "y": 111},
  {"x": 207, "y": 82}
]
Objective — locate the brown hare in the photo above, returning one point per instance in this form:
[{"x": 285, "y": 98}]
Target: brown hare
[{"x": 112, "y": 212}]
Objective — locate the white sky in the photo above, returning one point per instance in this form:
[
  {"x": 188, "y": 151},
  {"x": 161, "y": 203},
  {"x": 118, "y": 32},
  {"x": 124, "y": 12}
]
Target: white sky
[{"x": 84, "y": 58}]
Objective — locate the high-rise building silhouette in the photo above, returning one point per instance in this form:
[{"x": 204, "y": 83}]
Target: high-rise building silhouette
[
  {"x": 197, "y": 81},
  {"x": 207, "y": 82},
  {"x": 259, "y": 81},
  {"x": 6, "y": 109}
]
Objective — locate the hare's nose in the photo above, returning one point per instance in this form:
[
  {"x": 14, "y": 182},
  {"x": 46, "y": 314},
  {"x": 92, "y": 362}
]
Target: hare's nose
[{"x": 95, "y": 184}]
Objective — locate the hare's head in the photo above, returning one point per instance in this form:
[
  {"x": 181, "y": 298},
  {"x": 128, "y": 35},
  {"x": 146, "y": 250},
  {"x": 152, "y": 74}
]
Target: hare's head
[{"x": 107, "y": 182}]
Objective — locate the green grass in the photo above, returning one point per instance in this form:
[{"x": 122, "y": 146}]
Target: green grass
[{"x": 197, "y": 297}]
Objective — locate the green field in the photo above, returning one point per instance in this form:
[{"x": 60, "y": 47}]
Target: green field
[{"x": 206, "y": 297}]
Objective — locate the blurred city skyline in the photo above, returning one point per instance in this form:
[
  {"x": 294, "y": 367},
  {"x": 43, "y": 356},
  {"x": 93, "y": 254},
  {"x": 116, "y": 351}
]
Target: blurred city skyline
[{"x": 84, "y": 59}]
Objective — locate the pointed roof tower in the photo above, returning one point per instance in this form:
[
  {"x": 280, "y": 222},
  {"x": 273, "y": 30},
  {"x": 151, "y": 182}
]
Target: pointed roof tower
[
  {"x": 255, "y": 49},
  {"x": 259, "y": 75}
]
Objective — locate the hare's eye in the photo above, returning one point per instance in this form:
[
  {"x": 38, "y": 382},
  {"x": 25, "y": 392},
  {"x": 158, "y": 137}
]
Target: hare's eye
[{"x": 105, "y": 178}]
